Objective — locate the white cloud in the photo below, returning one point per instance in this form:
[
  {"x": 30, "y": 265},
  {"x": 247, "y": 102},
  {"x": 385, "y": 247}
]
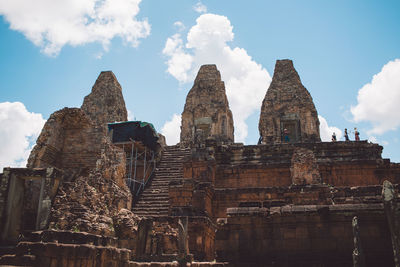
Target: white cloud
[
  {"x": 131, "y": 116},
  {"x": 327, "y": 131},
  {"x": 51, "y": 24},
  {"x": 172, "y": 129},
  {"x": 378, "y": 101},
  {"x": 179, "y": 25},
  {"x": 200, "y": 7},
  {"x": 373, "y": 139},
  {"x": 246, "y": 81},
  {"x": 179, "y": 63},
  {"x": 18, "y": 132}
]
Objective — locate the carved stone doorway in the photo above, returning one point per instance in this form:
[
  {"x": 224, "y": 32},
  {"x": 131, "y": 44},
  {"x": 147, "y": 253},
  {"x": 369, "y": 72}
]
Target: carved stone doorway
[{"x": 293, "y": 130}]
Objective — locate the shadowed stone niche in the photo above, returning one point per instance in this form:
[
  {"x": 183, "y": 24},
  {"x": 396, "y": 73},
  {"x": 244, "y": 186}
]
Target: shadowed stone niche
[
  {"x": 206, "y": 113},
  {"x": 288, "y": 113}
]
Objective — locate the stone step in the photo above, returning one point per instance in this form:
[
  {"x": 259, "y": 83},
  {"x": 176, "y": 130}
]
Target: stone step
[
  {"x": 164, "y": 194},
  {"x": 18, "y": 260},
  {"x": 154, "y": 193},
  {"x": 154, "y": 204},
  {"x": 69, "y": 237},
  {"x": 150, "y": 199},
  {"x": 151, "y": 208},
  {"x": 54, "y": 253},
  {"x": 160, "y": 181},
  {"x": 7, "y": 250},
  {"x": 155, "y": 197}
]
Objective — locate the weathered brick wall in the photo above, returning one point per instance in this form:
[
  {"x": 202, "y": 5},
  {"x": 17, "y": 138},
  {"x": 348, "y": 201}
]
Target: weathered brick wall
[
  {"x": 68, "y": 141},
  {"x": 4, "y": 180},
  {"x": 181, "y": 194},
  {"x": 253, "y": 176},
  {"x": 202, "y": 238},
  {"x": 340, "y": 164},
  {"x": 200, "y": 170},
  {"x": 188, "y": 198},
  {"x": 304, "y": 234},
  {"x": 357, "y": 173},
  {"x": 81, "y": 148}
]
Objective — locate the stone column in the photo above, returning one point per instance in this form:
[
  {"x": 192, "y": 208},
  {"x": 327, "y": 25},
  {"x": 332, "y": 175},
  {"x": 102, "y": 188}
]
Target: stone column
[
  {"x": 390, "y": 207},
  {"x": 358, "y": 254},
  {"x": 183, "y": 241},
  {"x": 144, "y": 228}
]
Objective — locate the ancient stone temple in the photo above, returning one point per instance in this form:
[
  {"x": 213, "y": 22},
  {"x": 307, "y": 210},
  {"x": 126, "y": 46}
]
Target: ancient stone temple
[
  {"x": 206, "y": 113},
  {"x": 123, "y": 198},
  {"x": 288, "y": 113}
]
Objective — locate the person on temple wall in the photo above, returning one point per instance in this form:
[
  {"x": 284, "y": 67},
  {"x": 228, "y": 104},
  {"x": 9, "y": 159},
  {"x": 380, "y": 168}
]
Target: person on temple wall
[
  {"x": 260, "y": 140},
  {"x": 356, "y": 134},
  {"x": 346, "y": 135},
  {"x": 334, "y": 137},
  {"x": 286, "y": 135}
]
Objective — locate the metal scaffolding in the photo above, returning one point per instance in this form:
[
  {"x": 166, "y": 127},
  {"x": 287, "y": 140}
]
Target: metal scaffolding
[{"x": 140, "y": 163}]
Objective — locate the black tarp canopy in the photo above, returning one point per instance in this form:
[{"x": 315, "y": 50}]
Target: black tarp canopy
[{"x": 136, "y": 131}]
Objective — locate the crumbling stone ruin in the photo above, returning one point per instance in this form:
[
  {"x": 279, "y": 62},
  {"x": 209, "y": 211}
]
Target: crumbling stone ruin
[
  {"x": 206, "y": 113},
  {"x": 101, "y": 191}
]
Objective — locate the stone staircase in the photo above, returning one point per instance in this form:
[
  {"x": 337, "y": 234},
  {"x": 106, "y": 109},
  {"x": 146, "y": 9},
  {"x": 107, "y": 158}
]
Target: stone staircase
[{"x": 154, "y": 201}]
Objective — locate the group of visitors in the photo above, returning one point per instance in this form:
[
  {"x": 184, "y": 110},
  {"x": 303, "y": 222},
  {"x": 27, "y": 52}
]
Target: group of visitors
[{"x": 346, "y": 135}]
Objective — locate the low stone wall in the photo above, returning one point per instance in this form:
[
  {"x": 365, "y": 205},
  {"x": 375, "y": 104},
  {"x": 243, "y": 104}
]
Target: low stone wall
[
  {"x": 339, "y": 164},
  {"x": 314, "y": 235},
  {"x": 293, "y": 195}
]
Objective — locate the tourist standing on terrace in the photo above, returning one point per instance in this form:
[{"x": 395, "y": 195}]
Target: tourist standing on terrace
[
  {"x": 346, "y": 135},
  {"x": 356, "y": 134}
]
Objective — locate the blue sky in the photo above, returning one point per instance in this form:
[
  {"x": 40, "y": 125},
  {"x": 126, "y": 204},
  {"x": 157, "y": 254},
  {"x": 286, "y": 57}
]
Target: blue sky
[{"x": 155, "y": 48}]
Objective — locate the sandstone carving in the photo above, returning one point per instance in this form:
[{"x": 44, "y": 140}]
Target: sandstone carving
[
  {"x": 288, "y": 113},
  {"x": 126, "y": 224},
  {"x": 206, "y": 113},
  {"x": 304, "y": 167}
]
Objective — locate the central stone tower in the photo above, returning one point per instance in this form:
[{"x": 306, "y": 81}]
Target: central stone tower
[
  {"x": 288, "y": 113},
  {"x": 206, "y": 113}
]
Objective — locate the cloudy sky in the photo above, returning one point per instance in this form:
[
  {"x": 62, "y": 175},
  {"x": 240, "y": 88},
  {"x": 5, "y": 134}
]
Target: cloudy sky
[{"x": 346, "y": 52}]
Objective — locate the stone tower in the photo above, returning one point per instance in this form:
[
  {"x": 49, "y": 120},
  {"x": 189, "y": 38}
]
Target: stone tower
[
  {"x": 288, "y": 113},
  {"x": 105, "y": 103},
  {"x": 206, "y": 113}
]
